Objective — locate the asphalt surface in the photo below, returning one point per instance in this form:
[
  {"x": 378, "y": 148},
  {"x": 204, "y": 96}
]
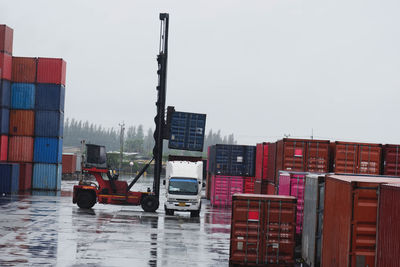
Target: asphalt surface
[{"x": 47, "y": 229}]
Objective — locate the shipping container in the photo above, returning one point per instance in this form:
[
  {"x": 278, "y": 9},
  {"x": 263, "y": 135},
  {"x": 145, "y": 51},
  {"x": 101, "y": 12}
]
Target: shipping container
[
  {"x": 78, "y": 162},
  {"x": 49, "y": 123},
  {"x": 68, "y": 163},
  {"x": 22, "y": 122},
  {"x": 350, "y": 217},
  {"x": 25, "y": 176},
  {"x": 302, "y": 155},
  {"x": 357, "y": 158},
  {"x": 3, "y": 147},
  {"x": 264, "y": 187},
  {"x": 47, "y": 150},
  {"x": 23, "y": 96},
  {"x": 4, "y": 120},
  {"x": 9, "y": 178},
  {"x": 187, "y": 131},
  {"x": 248, "y": 186},
  {"x": 391, "y": 160},
  {"x": 222, "y": 189},
  {"x": 46, "y": 176},
  {"x": 313, "y": 219},
  {"x": 262, "y": 230},
  {"x": 20, "y": 149},
  {"x": 5, "y": 94},
  {"x": 5, "y": 66},
  {"x": 388, "y": 246},
  {"x": 50, "y": 97},
  {"x": 292, "y": 184},
  {"x": 208, "y": 186},
  {"x": 6, "y": 39},
  {"x": 23, "y": 69},
  {"x": 51, "y": 70},
  {"x": 265, "y": 161}
]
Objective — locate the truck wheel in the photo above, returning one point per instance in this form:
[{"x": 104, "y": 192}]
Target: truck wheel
[
  {"x": 150, "y": 203},
  {"x": 195, "y": 213},
  {"x": 86, "y": 199},
  {"x": 168, "y": 211}
]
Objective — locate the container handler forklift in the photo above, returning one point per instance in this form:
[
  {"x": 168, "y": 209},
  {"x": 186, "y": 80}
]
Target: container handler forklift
[{"x": 112, "y": 191}]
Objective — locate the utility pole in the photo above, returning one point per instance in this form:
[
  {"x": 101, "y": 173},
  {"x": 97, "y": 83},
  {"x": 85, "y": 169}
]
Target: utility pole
[{"x": 121, "y": 146}]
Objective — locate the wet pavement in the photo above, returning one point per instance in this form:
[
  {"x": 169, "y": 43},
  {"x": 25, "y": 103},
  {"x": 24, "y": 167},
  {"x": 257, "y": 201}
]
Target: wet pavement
[{"x": 47, "y": 229}]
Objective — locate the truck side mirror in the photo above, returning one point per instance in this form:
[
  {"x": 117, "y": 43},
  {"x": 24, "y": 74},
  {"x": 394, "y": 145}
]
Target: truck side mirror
[{"x": 163, "y": 182}]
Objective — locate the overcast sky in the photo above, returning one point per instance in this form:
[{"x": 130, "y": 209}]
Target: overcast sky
[{"x": 258, "y": 69}]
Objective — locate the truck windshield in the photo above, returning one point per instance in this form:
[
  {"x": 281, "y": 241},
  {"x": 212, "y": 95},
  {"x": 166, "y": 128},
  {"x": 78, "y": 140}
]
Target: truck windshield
[{"x": 183, "y": 186}]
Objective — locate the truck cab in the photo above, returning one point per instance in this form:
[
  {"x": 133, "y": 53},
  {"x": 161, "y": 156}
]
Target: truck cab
[{"x": 183, "y": 183}]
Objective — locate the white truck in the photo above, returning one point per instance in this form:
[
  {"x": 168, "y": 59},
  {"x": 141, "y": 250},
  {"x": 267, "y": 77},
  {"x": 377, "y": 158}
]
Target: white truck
[{"x": 183, "y": 181}]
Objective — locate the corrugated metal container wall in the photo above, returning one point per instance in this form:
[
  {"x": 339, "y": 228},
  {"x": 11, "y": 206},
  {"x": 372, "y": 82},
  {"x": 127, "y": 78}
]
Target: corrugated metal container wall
[
  {"x": 3, "y": 148},
  {"x": 22, "y": 122},
  {"x": 391, "y": 159},
  {"x": 262, "y": 230},
  {"x": 317, "y": 159},
  {"x": 50, "y": 97},
  {"x": 369, "y": 159},
  {"x": 388, "y": 246},
  {"x": 5, "y": 93},
  {"x": 5, "y": 66},
  {"x": 23, "y": 69},
  {"x": 264, "y": 187},
  {"x": 23, "y": 96},
  {"x": 79, "y": 163},
  {"x": 4, "y": 120},
  {"x": 9, "y": 178},
  {"x": 47, "y": 150},
  {"x": 68, "y": 163},
  {"x": 25, "y": 176},
  {"x": 350, "y": 217},
  {"x": 46, "y": 176},
  {"x": 313, "y": 219},
  {"x": 265, "y": 161},
  {"x": 20, "y": 149},
  {"x": 51, "y": 70},
  {"x": 6, "y": 39},
  {"x": 248, "y": 186},
  {"x": 222, "y": 189},
  {"x": 208, "y": 186},
  {"x": 49, "y": 123}
]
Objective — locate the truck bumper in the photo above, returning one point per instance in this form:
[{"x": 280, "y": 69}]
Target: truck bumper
[{"x": 182, "y": 206}]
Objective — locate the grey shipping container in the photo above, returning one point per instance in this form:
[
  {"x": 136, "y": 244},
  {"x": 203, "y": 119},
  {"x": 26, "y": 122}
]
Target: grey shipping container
[{"x": 313, "y": 219}]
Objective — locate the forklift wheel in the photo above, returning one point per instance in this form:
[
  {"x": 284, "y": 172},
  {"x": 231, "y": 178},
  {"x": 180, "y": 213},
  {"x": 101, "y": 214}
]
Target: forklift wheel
[
  {"x": 150, "y": 203},
  {"x": 86, "y": 200},
  {"x": 168, "y": 211}
]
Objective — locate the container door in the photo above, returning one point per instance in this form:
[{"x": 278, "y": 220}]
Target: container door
[
  {"x": 346, "y": 158},
  {"x": 294, "y": 156},
  {"x": 317, "y": 157},
  {"x": 297, "y": 190},
  {"x": 369, "y": 159},
  {"x": 259, "y": 161},
  {"x": 284, "y": 184},
  {"x": 235, "y": 187},
  {"x": 392, "y": 160}
]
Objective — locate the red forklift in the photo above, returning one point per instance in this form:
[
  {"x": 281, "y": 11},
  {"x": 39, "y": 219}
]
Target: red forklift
[{"x": 111, "y": 191}]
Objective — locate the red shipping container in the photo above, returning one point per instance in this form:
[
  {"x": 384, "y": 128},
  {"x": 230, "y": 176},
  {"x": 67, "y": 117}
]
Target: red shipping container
[
  {"x": 265, "y": 161},
  {"x": 388, "y": 247},
  {"x": 22, "y": 122},
  {"x": 6, "y": 39},
  {"x": 262, "y": 230},
  {"x": 223, "y": 188},
  {"x": 350, "y": 218},
  {"x": 391, "y": 160},
  {"x": 20, "y": 149},
  {"x": 249, "y": 185},
  {"x": 68, "y": 163},
  {"x": 25, "y": 176},
  {"x": 3, "y": 147},
  {"x": 264, "y": 187},
  {"x": 51, "y": 70},
  {"x": 24, "y": 69},
  {"x": 358, "y": 158},
  {"x": 5, "y": 66}
]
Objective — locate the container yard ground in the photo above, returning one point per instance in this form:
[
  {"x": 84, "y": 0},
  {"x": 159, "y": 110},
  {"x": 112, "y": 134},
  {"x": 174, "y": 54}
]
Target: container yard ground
[{"x": 50, "y": 230}]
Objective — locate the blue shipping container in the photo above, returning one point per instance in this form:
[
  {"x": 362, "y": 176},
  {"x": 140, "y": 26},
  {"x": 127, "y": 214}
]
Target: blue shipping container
[
  {"x": 47, "y": 150},
  {"x": 46, "y": 176},
  {"x": 4, "y": 120},
  {"x": 23, "y": 96},
  {"x": 5, "y": 93},
  {"x": 50, "y": 97},
  {"x": 187, "y": 131},
  {"x": 49, "y": 123},
  {"x": 9, "y": 178}
]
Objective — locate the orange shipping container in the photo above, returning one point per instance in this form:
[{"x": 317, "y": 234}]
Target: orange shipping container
[
  {"x": 3, "y": 147},
  {"x": 23, "y": 69},
  {"x": 68, "y": 163},
  {"x": 20, "y": 149},
  {"x": 22, "y": 122}
]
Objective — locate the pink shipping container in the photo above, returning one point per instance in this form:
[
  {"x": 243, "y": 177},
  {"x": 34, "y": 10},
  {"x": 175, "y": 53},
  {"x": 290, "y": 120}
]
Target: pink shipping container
[
  {"x": 222, "y": 189},
  {"x": 293, "y": 184},
  {"x": 25, "y": 176},
  {"x": 20, "y": 149},
  {"x": 5, "y": 66},
  {"x": 51, "y": 70},
  {"x": 3, "y": 147}
]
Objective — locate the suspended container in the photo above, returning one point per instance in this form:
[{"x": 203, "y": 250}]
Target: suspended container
[
  {"x": 47, "y": 150},
  {"x": 25, "y": 176},
  {"x": 50, "y": 97},
  {"x": 5, "y": 94},
  {"x": 22, "y": 96},
  {"x": 20, "y": 149},
  {"x": 46, "y": 176},
  {"x": 6, "y": 39},
  {"x": 22, "y": 122},
  {"x": 51, "y": 70},
  {"x": 9, "y": 178},
  {"x": 49, "y": 123}
]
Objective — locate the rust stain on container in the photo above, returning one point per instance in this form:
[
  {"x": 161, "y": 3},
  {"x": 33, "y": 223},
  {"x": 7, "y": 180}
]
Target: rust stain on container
[
  {"x": 22, "y": 122},
  {"x": 262, "y": 230},
  {"x": 350, "y": 217},
  {"x": 24, "y": 69}
]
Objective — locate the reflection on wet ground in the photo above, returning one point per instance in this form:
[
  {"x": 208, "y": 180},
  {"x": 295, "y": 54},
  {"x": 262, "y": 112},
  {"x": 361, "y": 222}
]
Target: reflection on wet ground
[{"x": 47, "y": 229}]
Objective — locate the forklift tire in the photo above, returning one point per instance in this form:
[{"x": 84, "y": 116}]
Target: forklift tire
[
  {"x": 150, "y": 203},
  {"x": 168, "y": 211},
  {"x": 86, "y": 199}
]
